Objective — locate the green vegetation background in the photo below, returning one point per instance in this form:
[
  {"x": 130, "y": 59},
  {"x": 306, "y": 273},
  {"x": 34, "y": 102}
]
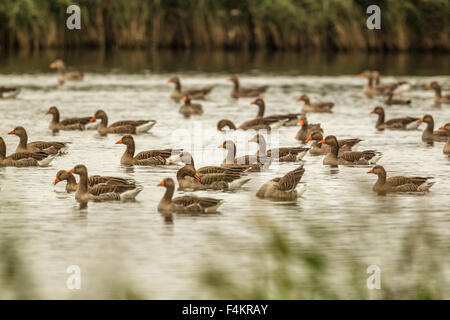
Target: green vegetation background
[{"x": 243, "y": 24}]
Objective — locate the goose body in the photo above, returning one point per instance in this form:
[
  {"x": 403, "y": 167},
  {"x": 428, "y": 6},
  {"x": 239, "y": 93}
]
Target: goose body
[
  {"x": 255, "y": 163},
  {"x": 283, "y": 154},
  {"x": 306, "y": 129},
  {"x": 446, "y": 149},
  {"x": 144, "y": 158},
  {"x": 399, "y": 183},
  {"x": 195, "y": 94},
  {"x": 430, "y": 135},
  {"x": 23, "y": 159},
  {"x": 123, "y": 126},
  {"x": 317, "y": 149},
  {"x": 63, "y": 74},
  {"x": 283, "y": 188},
  {"x": 318, "y": 107},
  {"x": 290, "y": 119},
  {"x": 406, "y": 123},
  {"x": 186, "y": 204},
  {"x": 72, "y": 185},
  {"x": 9, "y": 92},
  {"x": 396, "y": 101},
  {"x": 188, "y": 108},
  {"x": 334, "y": 158},
  {"x": 438, "y": 96},
  {"x": 50, "y": 147},
  {"x": 67, "y": 124},
  {"x": 250, "y": 92}
]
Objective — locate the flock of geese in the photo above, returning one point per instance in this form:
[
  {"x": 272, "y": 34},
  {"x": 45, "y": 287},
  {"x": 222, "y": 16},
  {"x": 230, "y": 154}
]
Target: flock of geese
[{"x": 234, "y": 171}]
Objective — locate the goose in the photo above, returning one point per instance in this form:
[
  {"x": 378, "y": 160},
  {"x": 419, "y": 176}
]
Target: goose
[
  {"x": 256, "y": 163},
  {"x": 317, "y": 149},
  {"x": 51, "y": 147},
  {"x": 121, "y": 127},
  {"x": 23, "y": 159},
  {"x": 398, "y": 183},
  {"x": 319, "y": 106},
  {"x": 389, "y": 87},
  {"x": 446, "y": 149},
  {"x": 283, "y": 188},
  {"x": 210, "y": 177},
  {"x": 335, "y": 158},
  {"x": 406, "y": 123},
  {"x": 9, "y": 92},
  {"x": 66, "y": 124},
  {"x": 195, "y": 94},
  {"x": 144, "y": 158},
  {"x": 186, "y": 204},
  {"x": 250, "y": 92},
  {"x": 438, "y": 96},
  {"x": 72, "y": 185},
  {"x": 306, "y": 129},
  {"x": 290, "y": 119},
  {"x": 102, "y": 192},
  {"x": 429, "y": 135},
  {"x": 284, "y": 154},
  {"x": 391, "y": 100},
  {"x": 188, "y": 108},
  {"x": 63, "y": 74}
]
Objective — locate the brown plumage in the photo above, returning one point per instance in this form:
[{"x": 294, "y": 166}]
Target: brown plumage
[
  {"x": 386, "y": 87},
  {"x": 429, "y": 135},
  {"x": 210, "y": 177},
  {"x": 446, "y": 149},
  {"x": 63, "y": 74},
  {"x": 335, "y": 158},
  {"x": 9, "y": 92},
  {"x": 250, "y": 92},
  {"x": 50, "y": 147},
  {"x": 284, "y": 154},
  {"x": 144, "y": 158},
  {"x": 392, "y": 101},
  {"x": 406, "y": 123},
  {"x": 438, "y": 96},
  {"x": 188, "y": 108},
  {"x": 319, "y": 106},
  {"x": 23, "y": 159},
  {"x": 317, "y": 149},
  {"x": 255, "y": 163},
  {"x": 186, "y": 204},
  {"x": 66, "y": 124},
  {"x": 306, "y": 129},
  {"x": 398, "y": 183},
  {"x": 102, "y": 192},
  {"x": 195, "y": 94},
  {"x": 121, "y": 127},
  {"x": 283, "y": 188},
  {"x": 290, "y": 119},
  {"x": 72, "y": 185}
]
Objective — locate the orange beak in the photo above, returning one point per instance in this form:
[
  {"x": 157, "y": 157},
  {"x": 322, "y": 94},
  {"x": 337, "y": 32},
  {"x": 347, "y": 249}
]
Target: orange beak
[
  {"x": 93, "y": 119},
  {"x": 302, "y": 122},
  {"x": 361, "y": 75},
  {"x": 218, "y": 129},
  {"x": 443, "y": 127},
  {"x": 47, "y": 112},
  {"x": 221, "y": 146},
  {"x": 178, "y": 159},
  {"x": 71, "y": 170},
  {"x": 56, "y": 181},
  {"x": 428, "y": 85},
  {"x": 11, "y": 132},
  {"x": 161, "y": 184},
  {"x": 373, "y": 111},
  {"x": 299, "y": 99},
  {"x": 185, "y": 98},
  {"x": 253, "y": 102},
  {"x": 53, "y": 65},
  {"x": 197, "y": 176},
  {"x": 119, "y": 142},
  {"x": 420, "y": 120},
  {"x": 322, "y": 141},
  {"x": 370, "y": 171},
  {"x": 230, "y": 79},
  {"x": 309, "y": 139},
  {"x": 169, "y": 81}
]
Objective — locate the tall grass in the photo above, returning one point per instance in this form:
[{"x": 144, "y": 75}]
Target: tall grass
[{"x": 240, "y": 24}]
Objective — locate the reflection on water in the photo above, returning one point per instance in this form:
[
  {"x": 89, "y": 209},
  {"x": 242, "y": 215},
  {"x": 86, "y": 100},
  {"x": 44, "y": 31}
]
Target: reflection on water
[{"x": 133, "y": 242}]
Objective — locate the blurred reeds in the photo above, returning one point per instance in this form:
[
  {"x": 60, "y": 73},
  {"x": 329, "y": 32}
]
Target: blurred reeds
[{"x": 337, "y": 25}]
